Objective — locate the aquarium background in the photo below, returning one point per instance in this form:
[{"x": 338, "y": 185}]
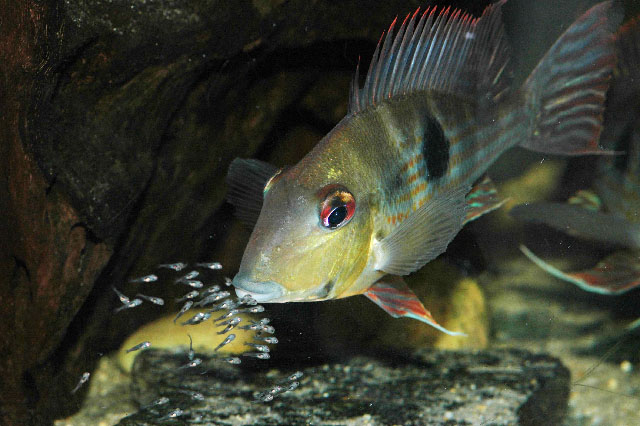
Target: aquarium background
[{"x": 119, "y": 122}]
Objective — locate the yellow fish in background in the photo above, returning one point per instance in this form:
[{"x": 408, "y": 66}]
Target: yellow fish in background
[{"x": 391, "y": 185}]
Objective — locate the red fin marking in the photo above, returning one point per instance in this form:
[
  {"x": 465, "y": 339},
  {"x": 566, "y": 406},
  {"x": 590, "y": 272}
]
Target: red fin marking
[
  {"x": 616, "y": 274},
  {"x": 396, "y": 298}
]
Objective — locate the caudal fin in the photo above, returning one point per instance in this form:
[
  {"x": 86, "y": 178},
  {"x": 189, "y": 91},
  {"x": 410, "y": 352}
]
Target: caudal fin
[{"x": 566, "y": 91}]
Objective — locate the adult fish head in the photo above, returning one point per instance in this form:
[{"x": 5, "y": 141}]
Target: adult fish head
[{"x": 311, "y": 241}]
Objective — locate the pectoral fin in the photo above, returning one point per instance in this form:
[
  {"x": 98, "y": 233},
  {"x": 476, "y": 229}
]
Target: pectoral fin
[
  {"x": 615, "y": 274},
  {"x": 424, "y": 235},
  {"x": 482, "y": 199},
  {"x": 393, "y": 295},
  {"x": 246, "y": 180}
]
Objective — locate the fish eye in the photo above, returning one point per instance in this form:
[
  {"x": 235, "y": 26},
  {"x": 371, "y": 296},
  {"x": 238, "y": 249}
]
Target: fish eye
[{"x": 337, "y": 208}]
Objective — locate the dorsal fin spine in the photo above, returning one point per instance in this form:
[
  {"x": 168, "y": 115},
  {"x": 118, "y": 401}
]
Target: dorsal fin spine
[
  {"x": 383, "y": 65},
  {"x": 434, "y": 37},
  {"x": 417, "y": 35},
  {"x": 400, "y": 47},
  {"x": 374, "y": 58},
  {"x": 445, "y": 53}
]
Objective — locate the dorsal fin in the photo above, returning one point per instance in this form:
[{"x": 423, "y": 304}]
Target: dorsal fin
[
  {"x": 450, "y": 52},
  {"x": 246, "y": 179}
]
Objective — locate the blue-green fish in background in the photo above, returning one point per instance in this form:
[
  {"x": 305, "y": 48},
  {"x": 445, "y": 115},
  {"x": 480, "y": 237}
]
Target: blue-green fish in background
[
  {"x": 391, "y": 185},
  {"x": 611, "y": 213}
]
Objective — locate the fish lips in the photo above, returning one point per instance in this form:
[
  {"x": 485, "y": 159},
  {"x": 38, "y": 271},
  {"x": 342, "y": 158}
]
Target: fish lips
[{"x": 266, "y": 291}]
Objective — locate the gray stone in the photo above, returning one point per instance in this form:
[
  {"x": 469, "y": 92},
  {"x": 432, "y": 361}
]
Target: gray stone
[{"x": 498, "y": 387}]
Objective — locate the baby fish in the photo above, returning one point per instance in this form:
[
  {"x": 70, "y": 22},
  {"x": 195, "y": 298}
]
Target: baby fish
[
  {"x": 189, "y": 276},
  {"x": 184, "y": 309},
  {"x": 197, "y": 318},
  {"x": 83, "y": 379},
  {"x": 268, "y": 329},
  {"x": 178, "y": 266},
  {"x": 227, "y": 304},
  {"x": 259, "y": 348},
  {"x": 124, "y": 299},
  {"x": 160, "y": 401},
  {"x": 264, "y": 397},
  {"x": 192, "y": 353},
  {"x": 173, "y": 414},
  {"x": 226, "y": 341},
  {"x": 210, "y": 265},
  {"x": 152, "y": 299},
  {"x": 229, "y": 314},
  {"x": 295, "y": 376},
  {"x": 277, "y": 389},
  {"x": 193, "y": 283},
  {"x": 214, "y": 297},
  {"x": 258, "y": 355},
  {"x": 391, "y": 185},
  {"x": 235, "y": 320},
  {"x": 228, "y": 281},
  {"x": 227, "y": 329},
  {"x": 143, "y": 345},
  {"x": 211, "y": 289},
  {"x": 255, "y": 327},
  {"x": 267, "y": 339},
  {"x": 231, "y": 324},
  {"x": 146, "y": 279},
  {"x": 293, "y": 386},
  {"x": 132, "y": 304},
  {"x": 248, "y": 300},
  {"x": 232, "y": 360},
  {"x": 191, "y": 295},
  {"x": 252, "y": 310},
  {"x": 193, "y": 363}
]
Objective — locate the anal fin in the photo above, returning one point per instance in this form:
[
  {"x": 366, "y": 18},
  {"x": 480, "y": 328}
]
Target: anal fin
[
  {"x": 393, "y": 295},
  {"x": 482, "y": 199}
]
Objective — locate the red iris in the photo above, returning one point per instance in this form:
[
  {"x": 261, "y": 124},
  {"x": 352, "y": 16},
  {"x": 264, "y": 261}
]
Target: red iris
[{"x": 337, "y": 209}]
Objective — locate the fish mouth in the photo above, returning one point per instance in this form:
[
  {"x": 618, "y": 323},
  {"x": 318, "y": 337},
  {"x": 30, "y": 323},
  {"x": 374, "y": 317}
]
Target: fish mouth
[{"x": 267, "y": 291}]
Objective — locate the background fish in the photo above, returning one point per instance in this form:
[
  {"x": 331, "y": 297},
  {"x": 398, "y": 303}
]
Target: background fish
[
  {"x": 389, "y": 187},
  {"x": 611, "y": 214}
]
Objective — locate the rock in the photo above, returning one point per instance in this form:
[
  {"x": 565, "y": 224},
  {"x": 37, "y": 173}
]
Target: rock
[{"x": 426, "y": 387}]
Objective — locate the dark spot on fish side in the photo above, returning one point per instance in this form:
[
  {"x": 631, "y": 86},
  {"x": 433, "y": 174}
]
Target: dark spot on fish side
[
  {"x": 435, "y": 150},
  {"x": 397, "y": 182}
]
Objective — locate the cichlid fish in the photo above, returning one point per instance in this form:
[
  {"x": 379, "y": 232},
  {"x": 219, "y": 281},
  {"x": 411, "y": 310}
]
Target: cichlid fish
[
  {"x": 611, "y": 213},
  {"x": 388, "y": 188}
]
